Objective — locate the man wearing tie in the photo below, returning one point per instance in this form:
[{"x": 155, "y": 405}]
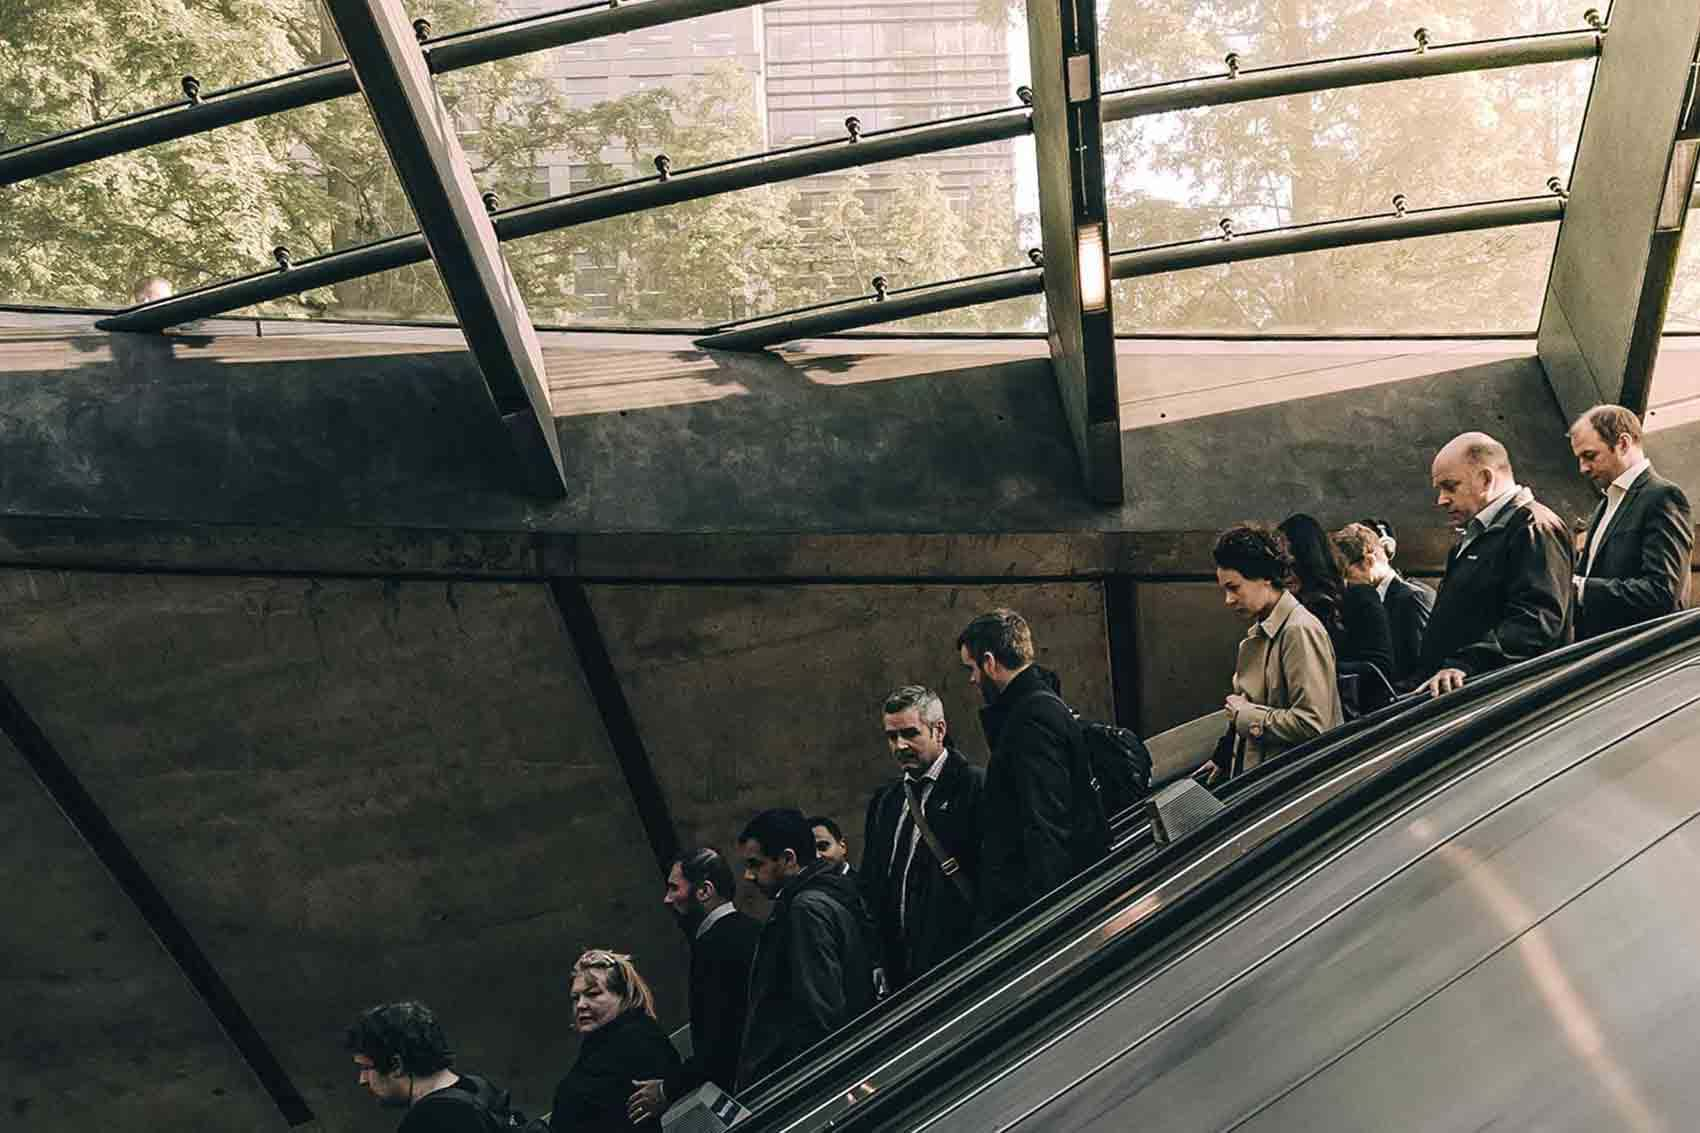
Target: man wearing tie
[
  {"x": 1507, "y": 595},
  {"x": 1634, "y": 564},
  {"x": 919, "y": 883}
]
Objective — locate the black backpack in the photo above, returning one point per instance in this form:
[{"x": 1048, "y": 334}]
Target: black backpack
[
  {"x": 493, "y": 1103},
  {"x": 1121, "y": 765}
]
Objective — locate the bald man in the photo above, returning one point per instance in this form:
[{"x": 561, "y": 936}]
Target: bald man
[{"x": 1507, "y": 595}]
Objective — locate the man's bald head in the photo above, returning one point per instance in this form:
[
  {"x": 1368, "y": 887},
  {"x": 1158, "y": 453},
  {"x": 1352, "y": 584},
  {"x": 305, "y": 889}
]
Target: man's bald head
[{"x": 1468, "y": 471}]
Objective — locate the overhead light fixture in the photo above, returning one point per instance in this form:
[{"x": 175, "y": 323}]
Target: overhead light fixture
[
  {"x": 1679, "y": 178},
  {"x": 1679, "y": 185},
  {"x": 1094, "y": 269}
]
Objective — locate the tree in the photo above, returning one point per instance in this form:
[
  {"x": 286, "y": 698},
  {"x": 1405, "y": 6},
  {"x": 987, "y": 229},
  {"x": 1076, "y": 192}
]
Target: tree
[{"x": 316, "y": 179}]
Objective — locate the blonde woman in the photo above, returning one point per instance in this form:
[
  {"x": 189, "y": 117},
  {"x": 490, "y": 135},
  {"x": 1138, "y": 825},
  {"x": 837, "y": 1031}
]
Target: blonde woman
[{"x": 619, "y": 1043}]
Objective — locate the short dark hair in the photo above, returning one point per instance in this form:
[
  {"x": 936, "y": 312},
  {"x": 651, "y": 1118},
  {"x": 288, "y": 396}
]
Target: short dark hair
[
  {"x": 707, "y": 866},
  {"x": 401, "y": 1036},
  {"x": 1381, "y": 527},
  {"x": 1612, "y": 422},
  {"x": 781, "y": 829},
  {"x": 815, "y": 820},
  {"x": 1001, "y": 632},
  {"x": 1256, "y": 550}
]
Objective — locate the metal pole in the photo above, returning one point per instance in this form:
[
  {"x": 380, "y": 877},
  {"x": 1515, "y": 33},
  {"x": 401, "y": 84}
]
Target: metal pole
[
  {"x": 579, "y": 208},
  {"x": 326, "y": 81},
  {"x": 1360, "y": 70},
  {"x": 1139, "y": 262},
  {"x": 866, "y": 311},
  {"x": 869, "y": 311}
]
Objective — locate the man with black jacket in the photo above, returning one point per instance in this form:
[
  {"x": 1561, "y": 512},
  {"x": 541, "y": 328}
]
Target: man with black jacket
[
  {"x": 1635, "y": 563},
  {"x": 814, "y": 967},
  {"x": 700, "y": 889},
  {"x": 1040, "y": 818},
  {"x": 1507, "y": 595},
  {"x": 922, "y": 900},
  {"x": 1407, "y": 601},
  {"x": 405, "y": 1062}
]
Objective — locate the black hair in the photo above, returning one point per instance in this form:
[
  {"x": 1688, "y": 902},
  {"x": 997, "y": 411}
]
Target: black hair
[
  {"x": 815, "y": 820},
  {"x": 1316, "y": 566},
  {"x": 401, "y": 1036},
  {"x": 781, "y": 829},
  {"x": 707, "y": 866},
  {"x": 1255, "y": 550}
]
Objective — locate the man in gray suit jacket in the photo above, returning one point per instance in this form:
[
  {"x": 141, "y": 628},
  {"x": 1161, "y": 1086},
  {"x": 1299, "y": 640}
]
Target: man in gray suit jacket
[{"x": 1634, "y": 565}]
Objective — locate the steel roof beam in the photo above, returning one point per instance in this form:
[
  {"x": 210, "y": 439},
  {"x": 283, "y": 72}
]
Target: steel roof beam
[
  {"x": 1612, "y": 271},
  {"x": 327, "y": 81},
  {"x": 1358, "y": 70},
  {"x": 419, "y": 136}
]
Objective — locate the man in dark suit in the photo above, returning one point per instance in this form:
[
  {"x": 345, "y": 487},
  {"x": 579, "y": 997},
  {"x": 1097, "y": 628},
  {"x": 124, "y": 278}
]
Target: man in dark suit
[
  {"x": 1507, "y": 595},
  {"x": 1040, "y": 819},
  {"x": 924, "y": 905},
  {"x": 1634, "y": 564},
  {"x": 700, "y": 888},
  {"x": 1364, "y": 547}
]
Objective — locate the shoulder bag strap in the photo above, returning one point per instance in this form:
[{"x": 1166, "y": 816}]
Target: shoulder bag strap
[{"x": 948, "y": 865}]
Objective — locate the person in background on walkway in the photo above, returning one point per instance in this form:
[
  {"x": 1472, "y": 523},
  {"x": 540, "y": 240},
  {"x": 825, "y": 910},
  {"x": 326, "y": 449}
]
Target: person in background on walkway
[
  {"x": 700, "y": 889},
  {"x": 620, "y": 1044},
  {"x": 1040, "y": 819},
  {"x": 1507, "y": 595},
  {"x": 814, "y": 966},
  {"x": 1406, "y": 601},
  {"x": 1636, "y": 555},
  {"x": 922, "y": 899},
  {"x": 1353, "y": 615},
  {"x": 1284, "y": 686},
  {"x": 830, "y": 844}
]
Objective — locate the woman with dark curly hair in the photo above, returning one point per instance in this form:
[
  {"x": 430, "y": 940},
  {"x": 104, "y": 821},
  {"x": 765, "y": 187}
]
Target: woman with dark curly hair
[
  {"x": 1284, "y": 689},
  {"x": 1354, "y": 617}
]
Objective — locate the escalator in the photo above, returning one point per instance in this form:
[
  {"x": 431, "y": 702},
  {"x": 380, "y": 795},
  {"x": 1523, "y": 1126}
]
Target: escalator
[{"x": 1117, "y": 990}]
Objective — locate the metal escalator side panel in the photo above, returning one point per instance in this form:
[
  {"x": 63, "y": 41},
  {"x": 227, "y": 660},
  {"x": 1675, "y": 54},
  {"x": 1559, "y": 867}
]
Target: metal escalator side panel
[{"x": 1255, "y": 1006}]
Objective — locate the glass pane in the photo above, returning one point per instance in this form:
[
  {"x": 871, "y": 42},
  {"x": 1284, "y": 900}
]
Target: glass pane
[
  {"x": 1466, "y": 283},
  {"x": 1008, "y": 315},
  {"x": 1451, "y": 140},
  {"x": 1145, "y": 41},
  {"x": 740, "y": 83},
  {"x": 777, "y": 247}
]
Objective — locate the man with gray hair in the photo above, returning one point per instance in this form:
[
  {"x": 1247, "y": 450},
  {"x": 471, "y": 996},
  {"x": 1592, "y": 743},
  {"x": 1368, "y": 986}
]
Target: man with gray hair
[
  {"x": 918, "y": 876},
  {"x": 1635, "y": 562},
  {"x": 1507, "y": 595}
]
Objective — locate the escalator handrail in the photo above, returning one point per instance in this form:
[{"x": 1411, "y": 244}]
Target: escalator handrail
[
  {"x": 1061, "y": 912},
  {"x": 1225, "y": 889}
]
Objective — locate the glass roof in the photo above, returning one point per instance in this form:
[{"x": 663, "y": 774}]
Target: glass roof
[{"x": 788, "y": 73}]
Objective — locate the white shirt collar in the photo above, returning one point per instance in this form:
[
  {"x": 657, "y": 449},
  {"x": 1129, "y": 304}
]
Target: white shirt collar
[
  {"x": 708, "y": 922},
  {"x": 933, "y": 772},
  {"x": 1385, "y": 584},
  {"x": 1490, "y": 510},
  {"x": 1631, "y": 474}
]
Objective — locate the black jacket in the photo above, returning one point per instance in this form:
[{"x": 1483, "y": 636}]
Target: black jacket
[
  {"x": 1507, "y": 595},
  {"x": 720, "y": 990},
  {"x": 939, "y": 920},
  {"x": 1408, "y": 604},
  {"x": 813, "y": 970},
  {"x": 594, "y": 1093},
  {"x": 1364, "y": 635},
  {"x": 1641, "y": 568},
  {"x": 1040, "y": 819}
]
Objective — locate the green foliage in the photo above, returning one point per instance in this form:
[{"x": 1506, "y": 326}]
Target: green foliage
[
  {"x": 1304, "y": 159},
  {"x": 317, "y": 180}
]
